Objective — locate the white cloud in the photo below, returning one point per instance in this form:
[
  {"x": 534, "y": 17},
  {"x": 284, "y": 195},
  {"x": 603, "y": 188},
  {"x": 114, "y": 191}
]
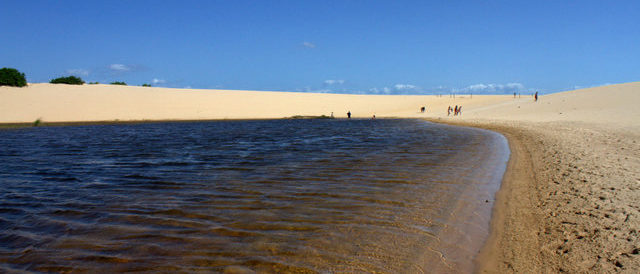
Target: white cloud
[
  {"x": 333, "y": 82},
  {"x": 156, "y": 81},
  {"x": 78, "y": 72},
  {"x": 487, "y": 88},
  {"x": 396, "y": 89},
  {"x": 308, "y": 45},
  {"x": 119, "y": 67},
  {"x": 304, "y": 89},
  {"x": 404, "y": 87},
  {"x": 384, "y": 90}
]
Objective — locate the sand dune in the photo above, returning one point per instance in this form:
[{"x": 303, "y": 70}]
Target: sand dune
[
  {"x": 612, "y": 105},
  {"x": 69, "y": 103},
  {"x": 569, "y": 199}
]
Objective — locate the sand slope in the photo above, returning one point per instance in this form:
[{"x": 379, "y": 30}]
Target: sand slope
[
  {"x": 615, "y": 104},
  {"x": 71, "y": 103}
]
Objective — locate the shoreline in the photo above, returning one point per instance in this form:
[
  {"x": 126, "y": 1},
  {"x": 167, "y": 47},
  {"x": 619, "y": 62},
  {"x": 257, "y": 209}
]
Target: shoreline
[
  {"x": 564, "y": 204},
  {"x": 492, "y": 257},
  {"x": 136, "y": 122}
]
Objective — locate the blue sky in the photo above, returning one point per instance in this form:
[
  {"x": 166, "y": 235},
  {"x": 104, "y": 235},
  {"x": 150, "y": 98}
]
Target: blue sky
[{"x": 385, "y": 47}]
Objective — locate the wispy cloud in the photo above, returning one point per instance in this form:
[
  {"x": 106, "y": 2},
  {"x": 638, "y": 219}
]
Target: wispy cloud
[
  {"x": 493, "y": 88},
  {"x": 78, "y": 72},
  {"x": 119, "y": 67},
  {"x": 156, "y": 81},
  {"x": 333, "y": 82},
  {"x": 405, "y": 87},
  {"x": 308, "y": 45},
  {"x": 397, "y": 89},
  {"x": 384, "y": 90}
]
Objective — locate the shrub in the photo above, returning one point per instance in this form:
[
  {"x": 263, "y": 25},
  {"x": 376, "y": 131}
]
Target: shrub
[
  {"x": 12, "y": 77},
  {"x": 146, "y": 85},
  {"x": 119, "y": 83},
  {"x": 93, "y": 83},
  {"x": 70, "y": 80}
]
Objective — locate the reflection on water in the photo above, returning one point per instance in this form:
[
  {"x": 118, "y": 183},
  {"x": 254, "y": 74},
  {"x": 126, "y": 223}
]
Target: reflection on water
[{"x": 269, "y": 196}]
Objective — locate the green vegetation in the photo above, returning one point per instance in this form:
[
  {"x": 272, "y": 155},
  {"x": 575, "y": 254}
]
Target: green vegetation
[
  {"x": 12, "y": 77},
  {"x": 119, "y": 83},
  {"x": 146, "y": 85},
  {"x": 37, "y": 122},
  {"x": 70, "y": 80},
  {"x": 93, "y": 83}
]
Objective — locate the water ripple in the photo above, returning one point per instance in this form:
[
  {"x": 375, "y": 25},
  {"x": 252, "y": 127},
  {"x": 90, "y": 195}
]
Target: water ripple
[{"x": 269, "y": 196}]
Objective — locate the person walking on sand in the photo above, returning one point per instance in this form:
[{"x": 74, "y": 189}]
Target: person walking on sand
[
  {"x": 449, "y": 111},
  {"x": 455, "y": 111},
  {"x": 349, "y": 114},
  {"x": 460, "y": 110},
  {"x": 535, "y": 97}
]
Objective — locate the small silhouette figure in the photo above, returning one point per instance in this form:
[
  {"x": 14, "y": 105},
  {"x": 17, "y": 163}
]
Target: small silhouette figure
[
  {"x": 422, "y": 109},
  {"x": 374, "y": 117},
  {"x": 536, "y": 96},
  {"x": 449, "y": 111},
  {"x": 349, "y": 114}
]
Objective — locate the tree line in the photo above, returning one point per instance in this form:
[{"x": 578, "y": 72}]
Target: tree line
[{"x": 14, "y": 78}]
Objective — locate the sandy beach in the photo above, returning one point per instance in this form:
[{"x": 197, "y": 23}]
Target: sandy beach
[{"x": 568, "y": 201}]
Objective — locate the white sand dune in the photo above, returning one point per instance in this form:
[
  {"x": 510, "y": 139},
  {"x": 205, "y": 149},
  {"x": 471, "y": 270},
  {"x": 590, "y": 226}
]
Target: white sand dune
[
  {"x": 612, "y": 105},
  {"x": 70, "y": 103}
]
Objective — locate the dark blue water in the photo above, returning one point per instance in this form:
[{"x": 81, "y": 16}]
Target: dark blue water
[{"x": 269, "y": 196}]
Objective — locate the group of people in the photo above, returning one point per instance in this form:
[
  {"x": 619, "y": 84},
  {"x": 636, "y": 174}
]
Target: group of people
[{"x": 457, "y": 110}]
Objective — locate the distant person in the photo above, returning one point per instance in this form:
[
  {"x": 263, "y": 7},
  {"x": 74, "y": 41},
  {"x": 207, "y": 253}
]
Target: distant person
[
  {"x": 332, "y": 114},
  {"x": 422, "y": 109},
  {"x": 514, "y": 95},
  {"x": 449, "y": 111},
  {"x": 349, "y": 114},
  {"x": 374, "y": 117},
  {"x": 536, "y": 97},
  {"x": 460, "y": 110},
  {"x": 455, "y": 111}
]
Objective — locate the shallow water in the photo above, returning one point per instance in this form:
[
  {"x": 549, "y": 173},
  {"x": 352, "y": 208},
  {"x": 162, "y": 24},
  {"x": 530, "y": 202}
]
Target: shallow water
[{"x": 271, "y": 196}]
